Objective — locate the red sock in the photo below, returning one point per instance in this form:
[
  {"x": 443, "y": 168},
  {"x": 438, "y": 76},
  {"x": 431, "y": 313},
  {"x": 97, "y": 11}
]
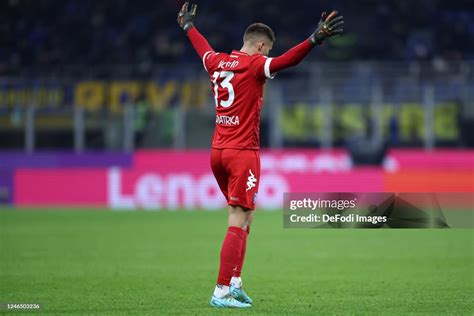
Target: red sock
[
  {"x": 240, "y": 263},
  {"x": 230, "y": 253}
]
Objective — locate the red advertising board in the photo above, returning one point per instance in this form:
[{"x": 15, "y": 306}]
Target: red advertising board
[{"x": 183, "y": 179}]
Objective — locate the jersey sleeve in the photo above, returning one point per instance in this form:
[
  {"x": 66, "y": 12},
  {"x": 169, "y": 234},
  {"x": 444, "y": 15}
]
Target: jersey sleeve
[
  {"x": 292, "y": 57},
  {"x": 202, "y": 47},
  {"x": 209, "y": 60},
  {"x": 261, "y": 67}
]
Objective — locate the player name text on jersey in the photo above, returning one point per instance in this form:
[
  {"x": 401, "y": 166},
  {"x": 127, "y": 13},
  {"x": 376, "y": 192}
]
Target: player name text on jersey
[
  {"x": 228, "y": 64},
  {"x": 227, "y": 120}
]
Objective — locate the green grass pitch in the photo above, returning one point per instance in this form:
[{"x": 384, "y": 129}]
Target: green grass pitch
[{"x": 120, "y": 263}]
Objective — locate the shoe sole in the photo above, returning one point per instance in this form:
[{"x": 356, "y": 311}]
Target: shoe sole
[{"x": 217, "y": 304}]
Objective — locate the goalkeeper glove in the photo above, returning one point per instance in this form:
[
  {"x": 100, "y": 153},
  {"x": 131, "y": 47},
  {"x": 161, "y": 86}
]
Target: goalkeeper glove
[
  {"x": 185, "y": 17},
  {"x": 328, "y": 26}
]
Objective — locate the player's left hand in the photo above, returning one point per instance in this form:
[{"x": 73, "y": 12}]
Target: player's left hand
[
  {"x": 329, "y": 25},
  {"x": 185, "y": 17}
]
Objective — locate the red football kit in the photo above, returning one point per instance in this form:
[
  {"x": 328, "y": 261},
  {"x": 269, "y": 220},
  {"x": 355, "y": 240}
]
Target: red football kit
[{"x": 237, "y": 81}]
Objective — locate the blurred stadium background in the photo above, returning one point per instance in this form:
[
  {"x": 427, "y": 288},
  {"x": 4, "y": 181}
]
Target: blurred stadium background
[
  {"x": 114, "y": 85},
  {"x": 105, "y": 105}
]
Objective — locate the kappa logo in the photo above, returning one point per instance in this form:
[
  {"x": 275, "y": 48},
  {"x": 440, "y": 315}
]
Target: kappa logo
[{"x": 251, "y": 180}]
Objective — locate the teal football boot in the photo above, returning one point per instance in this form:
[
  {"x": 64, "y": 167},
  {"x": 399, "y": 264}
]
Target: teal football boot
[
  {"x": 240, "y": 295},
  {"x": 227, "y": 302}
]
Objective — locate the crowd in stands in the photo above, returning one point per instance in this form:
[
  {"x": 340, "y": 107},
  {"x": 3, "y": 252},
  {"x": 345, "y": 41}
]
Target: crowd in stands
[{"x": 51, "y": 33}]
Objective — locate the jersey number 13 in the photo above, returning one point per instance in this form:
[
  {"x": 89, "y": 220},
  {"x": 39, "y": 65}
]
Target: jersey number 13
[{"x": 225, "y": 84}]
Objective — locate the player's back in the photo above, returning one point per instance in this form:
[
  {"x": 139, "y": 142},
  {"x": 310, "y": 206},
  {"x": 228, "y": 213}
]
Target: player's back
[{"x": 237, "y": 81}]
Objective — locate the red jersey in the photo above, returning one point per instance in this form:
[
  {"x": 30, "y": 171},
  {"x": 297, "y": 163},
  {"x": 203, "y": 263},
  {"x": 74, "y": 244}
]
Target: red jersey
[{"x": 237, "y": 82}]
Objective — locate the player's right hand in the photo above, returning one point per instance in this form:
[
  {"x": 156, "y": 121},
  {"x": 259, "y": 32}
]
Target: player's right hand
[
  {"x": 328, "y": 26},
  {"x": 185, "y": 17}
]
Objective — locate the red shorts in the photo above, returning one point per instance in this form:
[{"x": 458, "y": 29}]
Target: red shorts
[{"x": 238, "y": 174}]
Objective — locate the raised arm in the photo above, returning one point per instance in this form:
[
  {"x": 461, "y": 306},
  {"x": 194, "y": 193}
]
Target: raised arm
[
  {"x": 200, "y": 44},
  {"x": 186, "y": 22},
  {"x": 292, "y": 57},
  {"x": 328, "y": 26}
]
